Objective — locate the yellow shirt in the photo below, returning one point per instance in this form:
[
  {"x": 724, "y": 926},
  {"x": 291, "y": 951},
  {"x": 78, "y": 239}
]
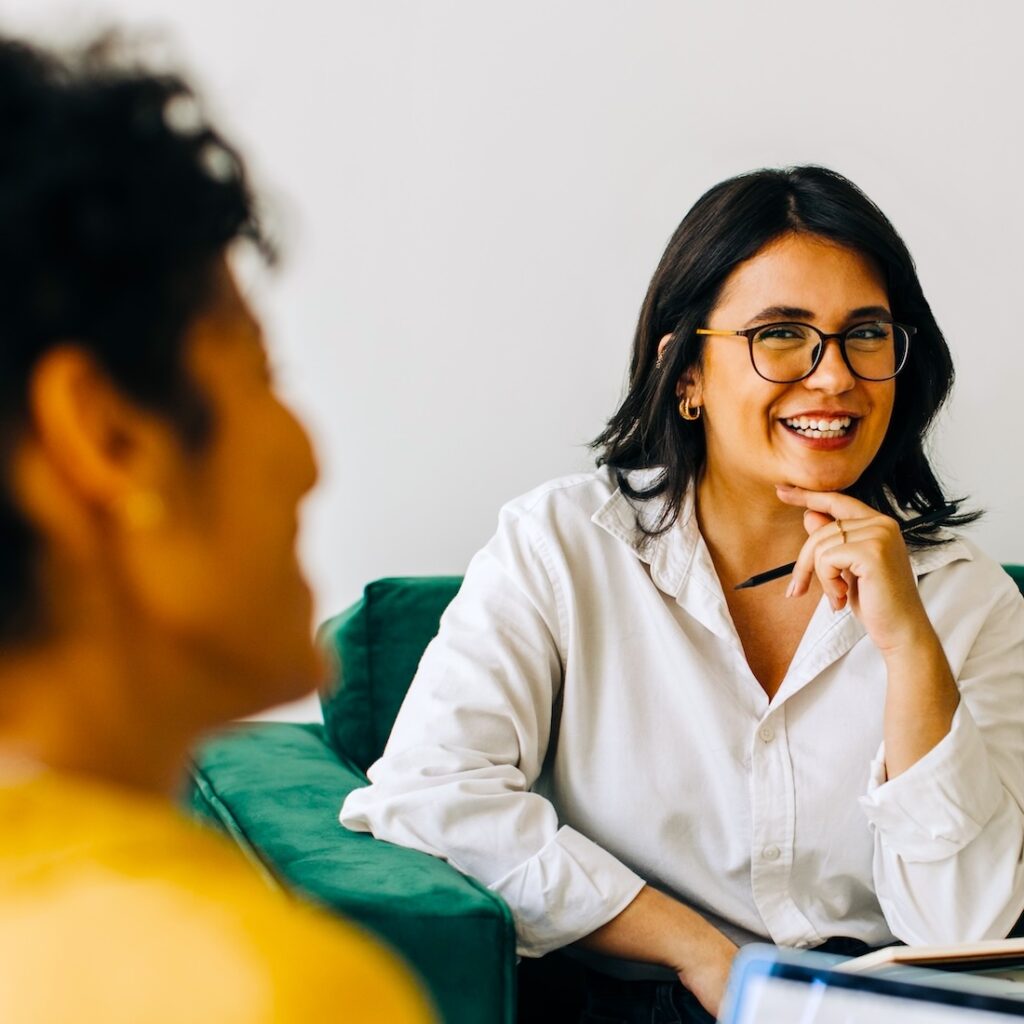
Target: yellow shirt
[{"x": 115, "y": 909}]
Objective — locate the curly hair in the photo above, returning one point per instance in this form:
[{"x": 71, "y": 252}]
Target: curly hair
[{"x": 116, "y": 200}]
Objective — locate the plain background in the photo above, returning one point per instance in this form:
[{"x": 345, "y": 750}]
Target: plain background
[{"x": 473, "y": 196}]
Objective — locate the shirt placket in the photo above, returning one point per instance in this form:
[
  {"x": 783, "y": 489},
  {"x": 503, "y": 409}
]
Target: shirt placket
[
  {"x": 772, "y": 784},
  {"x": 773, "y": 826}
]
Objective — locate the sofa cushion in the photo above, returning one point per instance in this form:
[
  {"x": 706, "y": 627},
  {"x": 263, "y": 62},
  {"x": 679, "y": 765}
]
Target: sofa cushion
[{"x": 377, "y": 645}]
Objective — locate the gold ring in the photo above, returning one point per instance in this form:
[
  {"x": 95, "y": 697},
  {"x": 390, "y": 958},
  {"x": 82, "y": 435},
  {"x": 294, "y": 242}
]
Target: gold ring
[{"x": 842, "y": 532}]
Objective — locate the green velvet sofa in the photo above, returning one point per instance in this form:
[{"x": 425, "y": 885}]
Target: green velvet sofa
[{"x": 276, "y": 789}]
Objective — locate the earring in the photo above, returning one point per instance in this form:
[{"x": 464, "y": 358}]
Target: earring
[
  {"x": 140, "y": 510},
  {"x": 687, "y": 411}
]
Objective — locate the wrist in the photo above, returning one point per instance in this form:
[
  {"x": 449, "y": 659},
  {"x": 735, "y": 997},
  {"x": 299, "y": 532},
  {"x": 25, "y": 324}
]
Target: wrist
[
  {"x": 917, "y": 639},
  {"x": 695, "y": 945}
]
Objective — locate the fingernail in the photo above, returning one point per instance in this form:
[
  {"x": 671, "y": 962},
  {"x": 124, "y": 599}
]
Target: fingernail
[{"x": 789, "y": 589}]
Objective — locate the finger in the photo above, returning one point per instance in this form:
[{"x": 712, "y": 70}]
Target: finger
[
  {"x": 830, "y": 503},
  {"x": 829, "y": 535},
  {"x": 831, "y": 562},
  {"x": 851, "y": 590},
  {"x": 840, "y": 565},
  {"x": 859, "y": 539},
  {"x": 804, "y": 569}
]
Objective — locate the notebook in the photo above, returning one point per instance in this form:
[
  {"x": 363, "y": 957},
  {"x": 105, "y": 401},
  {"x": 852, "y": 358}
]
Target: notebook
[{"x": 995, "y": 958}]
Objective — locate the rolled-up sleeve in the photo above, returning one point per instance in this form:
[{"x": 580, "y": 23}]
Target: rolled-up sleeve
[
  {"x": 470, "y": 740},
  {"x": 949, "y": 831}
]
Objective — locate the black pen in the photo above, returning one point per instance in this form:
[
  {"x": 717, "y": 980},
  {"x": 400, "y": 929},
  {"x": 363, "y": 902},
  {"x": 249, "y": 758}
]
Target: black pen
[{"x": 909, "y": 526}]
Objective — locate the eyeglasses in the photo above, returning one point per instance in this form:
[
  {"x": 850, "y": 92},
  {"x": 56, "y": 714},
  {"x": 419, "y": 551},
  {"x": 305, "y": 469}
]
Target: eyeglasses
[{"x": 786, "y": 353}]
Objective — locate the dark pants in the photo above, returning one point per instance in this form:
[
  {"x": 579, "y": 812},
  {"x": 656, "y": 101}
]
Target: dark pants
[
  {"x": 610, "y": 1001},
  {"x": 558, "y": 990}
]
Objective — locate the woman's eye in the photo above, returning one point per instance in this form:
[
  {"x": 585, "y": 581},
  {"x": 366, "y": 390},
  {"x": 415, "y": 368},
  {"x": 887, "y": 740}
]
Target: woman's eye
[
  {"x": 869, "y": 331},
  {"x": 784, "y": 336}
]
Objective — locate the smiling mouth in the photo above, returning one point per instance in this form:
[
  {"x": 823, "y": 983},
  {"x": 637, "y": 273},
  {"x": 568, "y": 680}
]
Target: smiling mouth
[{"x": 820, "y": 427}]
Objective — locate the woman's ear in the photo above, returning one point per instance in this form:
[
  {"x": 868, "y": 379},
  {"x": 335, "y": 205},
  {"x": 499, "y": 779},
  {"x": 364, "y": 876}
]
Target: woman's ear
[
  {"x": 99, "y": 448},
  {"x": 689, "y": 383},
  {"x": 690, "y": 386}
]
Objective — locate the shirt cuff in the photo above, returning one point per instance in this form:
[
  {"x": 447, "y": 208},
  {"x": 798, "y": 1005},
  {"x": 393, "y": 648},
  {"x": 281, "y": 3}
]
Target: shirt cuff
[
  {"x": 939, "y": 804},
  {"x": 569, "y": 888}
]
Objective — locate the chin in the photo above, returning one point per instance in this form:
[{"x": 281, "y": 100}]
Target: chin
[
  {"x": 820, "y": 478},
  {"x": 301, "y": 674},
  {"x": 837, "y": 483},
  {"x": 282, "y": 672}
]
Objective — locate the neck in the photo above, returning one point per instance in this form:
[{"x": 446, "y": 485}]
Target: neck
[
  {"x": 81, "y": 707},
  {"x": 746, "y": 530}
]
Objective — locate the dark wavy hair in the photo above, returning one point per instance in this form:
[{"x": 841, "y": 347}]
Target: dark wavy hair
[
  {"x": 116, "y": 200},
  {"x": 727, "y": 225}
]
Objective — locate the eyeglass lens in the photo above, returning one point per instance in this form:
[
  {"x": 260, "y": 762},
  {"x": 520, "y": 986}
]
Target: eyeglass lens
[{"x": 786, "y": 352}]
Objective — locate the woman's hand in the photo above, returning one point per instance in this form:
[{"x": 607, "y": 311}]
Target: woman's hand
[
  {"x": 657, "y": 929},
  {"x": 706, "y": 973},
  {"x": 866, "y": 564},
  {"x": 860, "y": 559}
]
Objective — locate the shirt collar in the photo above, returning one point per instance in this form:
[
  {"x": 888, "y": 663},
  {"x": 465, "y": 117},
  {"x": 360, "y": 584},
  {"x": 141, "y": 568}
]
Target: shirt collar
[
  {"x": 671, "y": 555},
  {"x": 952, "y": 549}
]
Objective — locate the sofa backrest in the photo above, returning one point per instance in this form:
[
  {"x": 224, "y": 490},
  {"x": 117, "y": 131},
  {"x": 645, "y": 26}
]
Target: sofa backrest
[{"x": 377, "y": 644}]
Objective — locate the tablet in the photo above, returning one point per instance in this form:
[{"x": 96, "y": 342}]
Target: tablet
[{"x": 769, "y": 985}]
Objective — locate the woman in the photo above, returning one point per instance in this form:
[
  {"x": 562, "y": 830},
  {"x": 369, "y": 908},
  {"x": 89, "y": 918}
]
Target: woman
[
  {"x": 150, "y": 588},
  {"x": 653, "y": 765}
]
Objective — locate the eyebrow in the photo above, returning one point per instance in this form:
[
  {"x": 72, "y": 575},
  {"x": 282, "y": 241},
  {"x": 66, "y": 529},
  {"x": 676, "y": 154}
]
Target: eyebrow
[{"x": 776, "y": 314}]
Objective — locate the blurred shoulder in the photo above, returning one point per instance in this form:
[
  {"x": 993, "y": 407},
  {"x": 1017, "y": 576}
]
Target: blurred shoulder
[{"x": 161, "y": 920}]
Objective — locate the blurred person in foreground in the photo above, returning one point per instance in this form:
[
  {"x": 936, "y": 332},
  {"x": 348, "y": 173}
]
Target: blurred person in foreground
[{"x": 150, "y": 588}]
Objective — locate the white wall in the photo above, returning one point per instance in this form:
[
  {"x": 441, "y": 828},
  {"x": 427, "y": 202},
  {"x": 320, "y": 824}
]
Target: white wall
[{"x": 476, "y": 193}]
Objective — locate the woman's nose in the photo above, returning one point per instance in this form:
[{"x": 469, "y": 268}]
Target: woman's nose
[{"x": 831, "y": 374}]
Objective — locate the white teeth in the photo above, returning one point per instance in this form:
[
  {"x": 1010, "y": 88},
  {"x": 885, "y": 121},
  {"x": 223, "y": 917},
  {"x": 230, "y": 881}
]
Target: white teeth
[{"x": 819, "y": 427}]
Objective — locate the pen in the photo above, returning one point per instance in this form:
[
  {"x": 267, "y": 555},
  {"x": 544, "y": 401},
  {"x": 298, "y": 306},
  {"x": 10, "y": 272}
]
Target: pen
[{"x": 908, "y": 526}]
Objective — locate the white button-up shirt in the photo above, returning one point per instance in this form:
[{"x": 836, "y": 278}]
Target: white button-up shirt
[{"x": 586, "y": 721}]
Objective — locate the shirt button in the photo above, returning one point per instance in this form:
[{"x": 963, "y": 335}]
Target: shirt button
[
  {"x": 767, "y": 733},
  {"x": 770, "y": 853}
]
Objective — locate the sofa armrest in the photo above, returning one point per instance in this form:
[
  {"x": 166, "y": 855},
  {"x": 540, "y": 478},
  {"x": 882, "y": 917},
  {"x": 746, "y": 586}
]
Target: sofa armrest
[{"x": 276, "y": 789}]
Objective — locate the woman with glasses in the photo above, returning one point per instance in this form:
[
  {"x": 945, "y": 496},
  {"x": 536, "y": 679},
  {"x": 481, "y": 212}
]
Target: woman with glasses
[{"x": 652, "y": 763}]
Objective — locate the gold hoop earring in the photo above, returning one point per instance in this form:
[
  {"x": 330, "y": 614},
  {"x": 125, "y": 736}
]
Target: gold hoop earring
[{"x": 687, "y": 411}]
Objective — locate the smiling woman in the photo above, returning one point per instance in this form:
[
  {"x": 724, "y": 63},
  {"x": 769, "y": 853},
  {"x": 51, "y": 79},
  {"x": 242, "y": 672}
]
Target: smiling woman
[{"x": 652, "y": 766}]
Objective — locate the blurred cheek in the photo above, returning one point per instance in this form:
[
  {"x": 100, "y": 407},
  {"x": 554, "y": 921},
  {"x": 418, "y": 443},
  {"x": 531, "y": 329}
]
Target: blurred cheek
[{"x": 228, "y": 567}]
